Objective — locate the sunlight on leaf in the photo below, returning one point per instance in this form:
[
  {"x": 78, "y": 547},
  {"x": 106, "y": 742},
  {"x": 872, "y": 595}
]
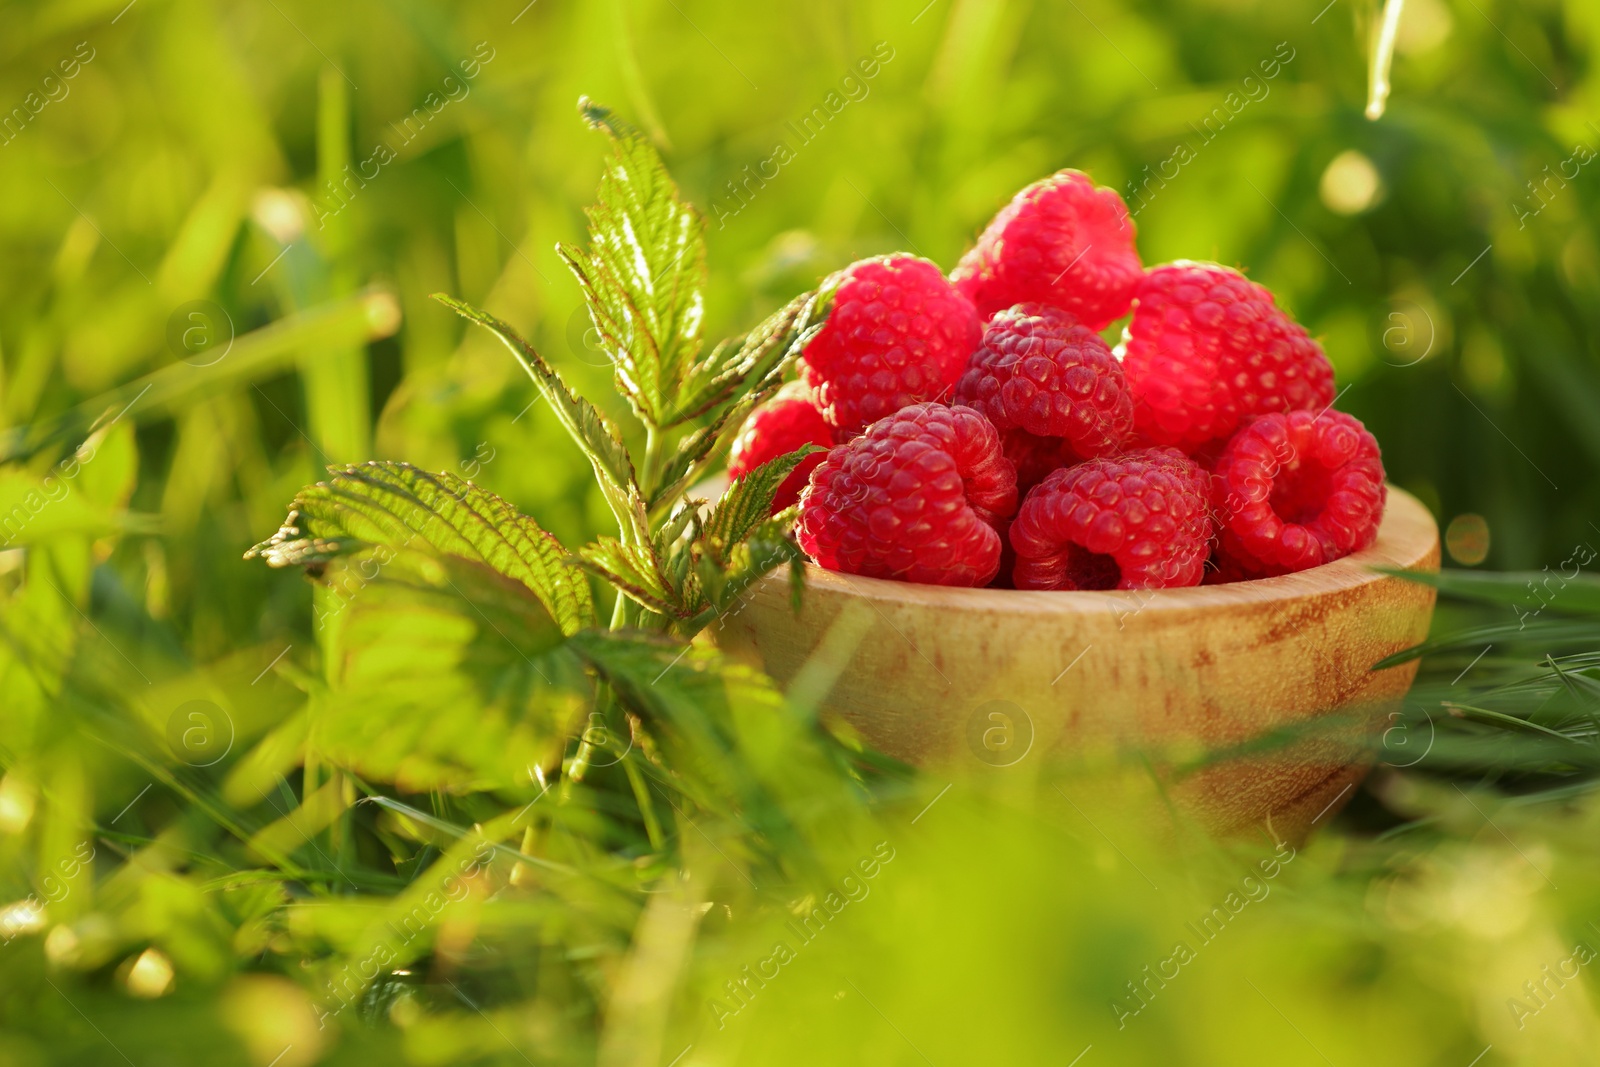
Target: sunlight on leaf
[{"x": 397, "y": 506}]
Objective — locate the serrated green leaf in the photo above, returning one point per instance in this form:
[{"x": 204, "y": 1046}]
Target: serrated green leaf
[
  {"x": 676, "y": 524},
  {"x": 644, "y": 274},
  {"x": 636, "y": 571},
  {"x": 736, "y": 542},
  {"x": 396, "y": 506},
  {"x": 672, "y": 540},
  {"x": 453, "y": 676},
  {"x": 591, "y": 430},
  {"x": 768, "y": 546},
  {"x": 748, "y": 372},
  {"x": 696, "y": 454},
  {"x": 750, "y": 376},
  {"x": 747, "y": 503}
]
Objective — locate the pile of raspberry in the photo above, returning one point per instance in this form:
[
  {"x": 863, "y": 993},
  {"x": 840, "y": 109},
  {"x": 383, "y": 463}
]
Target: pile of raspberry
[{"x": 979, "y": 431}]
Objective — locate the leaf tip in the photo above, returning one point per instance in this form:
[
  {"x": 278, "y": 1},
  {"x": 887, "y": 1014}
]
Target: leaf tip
[{"x": 600, "y": 117}]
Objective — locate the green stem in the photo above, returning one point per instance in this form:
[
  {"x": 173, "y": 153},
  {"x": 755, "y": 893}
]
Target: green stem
[
  {"x": 647, "y": 808},
  {"x": 582, "y": 758},
  {"x": 653, "y": 442},
  {"x": 622, "y": 616},
  {"x": 603, "y": 703}
]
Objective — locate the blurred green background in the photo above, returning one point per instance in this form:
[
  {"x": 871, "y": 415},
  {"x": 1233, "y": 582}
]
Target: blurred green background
[{"x": 220, "y": 231}]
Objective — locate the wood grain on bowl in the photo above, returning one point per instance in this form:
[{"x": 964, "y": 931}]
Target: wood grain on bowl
[{"x": 1166, "y": 671}]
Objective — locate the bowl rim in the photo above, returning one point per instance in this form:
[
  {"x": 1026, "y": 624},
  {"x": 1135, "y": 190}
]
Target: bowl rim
[{"x": 1408, "y": 539}]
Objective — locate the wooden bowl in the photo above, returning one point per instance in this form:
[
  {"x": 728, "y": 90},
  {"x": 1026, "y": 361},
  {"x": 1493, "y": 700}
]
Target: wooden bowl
[{"x": 943, "y": 675}]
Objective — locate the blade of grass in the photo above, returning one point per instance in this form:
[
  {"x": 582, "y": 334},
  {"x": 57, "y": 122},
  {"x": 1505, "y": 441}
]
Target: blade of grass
[{"x": 257, "y": 355}]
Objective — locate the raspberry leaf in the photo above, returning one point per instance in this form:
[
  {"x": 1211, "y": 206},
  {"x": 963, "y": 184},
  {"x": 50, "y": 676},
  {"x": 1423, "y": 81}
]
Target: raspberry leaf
[
  {"x": 644, "y": 273},
  {"x": 636, "y": 571},
  {"x": 395, "y": 507},
  {"x": 444, "y": 597},
  {"x": 436, "y": 632},
  {"x": 736, "y": 543},
  {"x": 723, "y": 583},
  {"x": 696, "y": 454},
  {"x": 747, "y": 504},
  {"x": 685, "y": 514},
  {"x": 747, "y": 370},
  {"x": 735, "y": 377},
  {"x": 694, "y": 581},
  {"x": 592, "y": 431}
]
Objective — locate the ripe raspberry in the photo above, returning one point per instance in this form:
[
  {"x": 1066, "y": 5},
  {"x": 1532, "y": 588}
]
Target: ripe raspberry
[
  {"x": 898, "y": 333},
  {"x": 1041, "y": 375},
  {"x": 1139, "y": 521},
  {"x": 1296, "y": 490},
  {"x": 918, "y": 497},
  {"x": 1061, "y": 241},
  {"x": 1035, "y": 457},
  {"x": 1222, "y": 569},
  {"x": 788, "y": 421},
  {"x": 1207, "y": 347}
]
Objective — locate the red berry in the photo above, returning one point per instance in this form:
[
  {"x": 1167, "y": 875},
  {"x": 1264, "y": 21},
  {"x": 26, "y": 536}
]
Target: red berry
[
  {"x": 1035, "y": 457},
  {"x": 1222, "y": 569},
  {"x": 1041, "y": 374},
  {"x": 1139, "y": 521},
  {"x": 1061, "y": 241},
  {"x": 1207, "y": 347},
  {"x": 788, "y": 421},
  {"x": 918, "y": 497},
  {"x": 898, "y": 333},
  {"x": 1297, "y": 490}
]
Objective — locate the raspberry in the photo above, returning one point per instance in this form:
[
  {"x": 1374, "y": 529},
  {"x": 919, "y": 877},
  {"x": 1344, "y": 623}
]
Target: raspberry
[
  {"x": 1139, "y": 521},
  {"x": 1061, "y": 241},
  {"x": 1041, "y": 375},
  {"x": 898, "y": 333},
  {"x": 918, "y": 497},
  {"x": 788, "y": 421},
  {"x": 1207, "y": 347},
  {"x": 1035, "y": 457},
  {"x": 1222, "y": 569},
  {"x": 1296, "y": 490}
]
